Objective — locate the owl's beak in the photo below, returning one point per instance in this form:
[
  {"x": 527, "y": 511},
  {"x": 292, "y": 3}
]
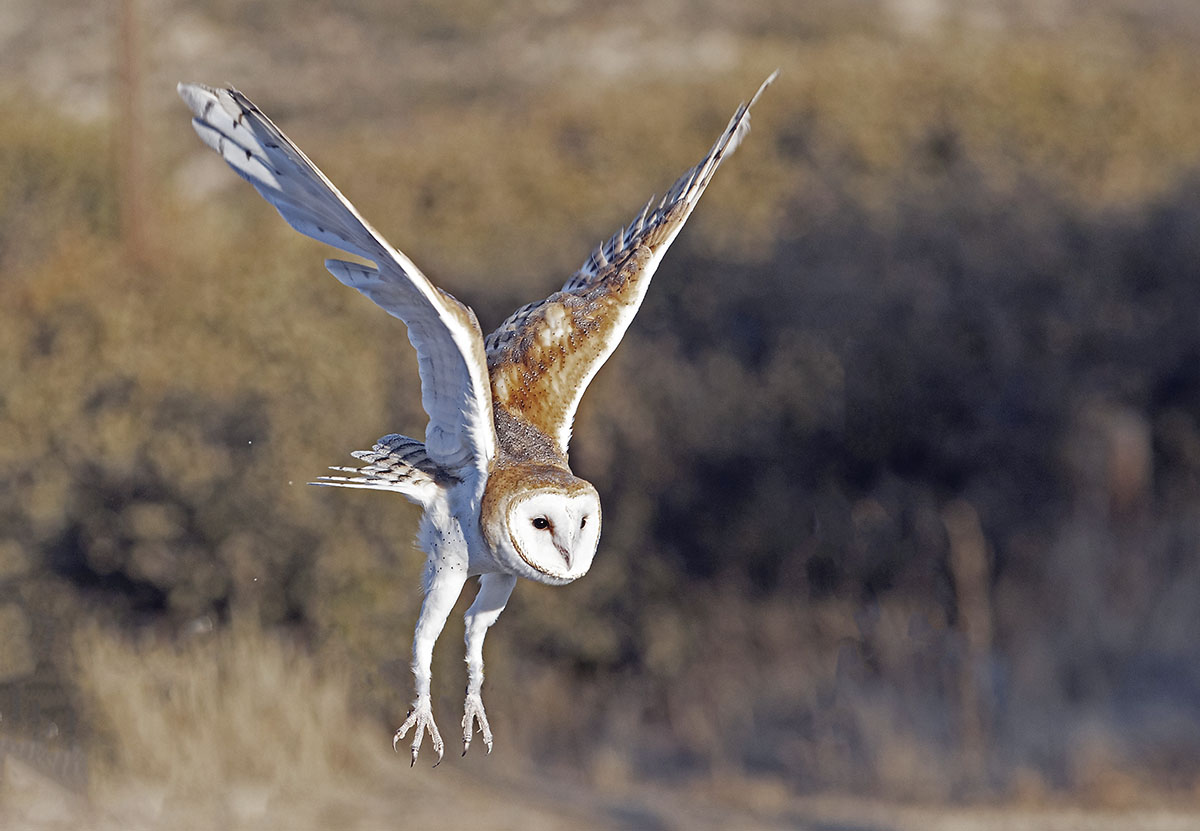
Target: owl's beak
[{"x": 565, "y": 552}]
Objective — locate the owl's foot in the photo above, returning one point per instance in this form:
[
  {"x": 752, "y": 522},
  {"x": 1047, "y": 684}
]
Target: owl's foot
[
  {"x": 472, "y": 712},
  {"x": 420, "y": 717}
]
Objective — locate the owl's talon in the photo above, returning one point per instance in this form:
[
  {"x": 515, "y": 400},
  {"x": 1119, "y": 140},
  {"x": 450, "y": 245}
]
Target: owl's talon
[
  {"x": 420, "y": 717},
  {"x": 473, "y": 712}
]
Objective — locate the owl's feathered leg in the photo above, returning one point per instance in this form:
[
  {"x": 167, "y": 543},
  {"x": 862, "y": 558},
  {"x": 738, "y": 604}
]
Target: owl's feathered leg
[
  {"x": 444, "y": 583},
  {"x": 494, "y": 591}
]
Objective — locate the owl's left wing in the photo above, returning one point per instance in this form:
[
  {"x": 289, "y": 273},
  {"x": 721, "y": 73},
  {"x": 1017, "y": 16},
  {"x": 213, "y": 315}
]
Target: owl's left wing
[
  {"x": 455, "y": 392},
  {"x": 544, "y": 356}
]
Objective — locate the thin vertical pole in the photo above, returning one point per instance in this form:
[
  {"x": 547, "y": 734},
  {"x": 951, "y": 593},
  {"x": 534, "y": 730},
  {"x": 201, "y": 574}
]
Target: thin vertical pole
[{"x": 130, "y": 137}]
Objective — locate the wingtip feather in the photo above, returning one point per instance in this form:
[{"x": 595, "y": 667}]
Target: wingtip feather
[
  {"x": 200, "y": 98},
  {"x": 770, "y": 80}
]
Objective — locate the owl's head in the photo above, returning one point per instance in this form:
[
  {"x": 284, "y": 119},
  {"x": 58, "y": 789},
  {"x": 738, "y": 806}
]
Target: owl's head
[{"x": 546, "y": 528}]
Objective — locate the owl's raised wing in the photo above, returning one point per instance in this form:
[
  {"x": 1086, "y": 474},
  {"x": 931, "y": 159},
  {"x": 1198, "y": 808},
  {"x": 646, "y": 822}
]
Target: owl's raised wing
[
  {"x": 455, "y": 391},
  {"x": 543, "y": 357}
]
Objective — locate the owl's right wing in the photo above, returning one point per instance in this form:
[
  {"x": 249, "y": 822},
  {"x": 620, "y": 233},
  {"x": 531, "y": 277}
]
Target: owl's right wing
[{"x": 455, "y": 390}]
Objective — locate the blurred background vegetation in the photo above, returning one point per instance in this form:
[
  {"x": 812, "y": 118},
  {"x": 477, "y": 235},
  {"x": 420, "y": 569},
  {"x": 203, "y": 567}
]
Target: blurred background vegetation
[{"x": 900, "y": 461}]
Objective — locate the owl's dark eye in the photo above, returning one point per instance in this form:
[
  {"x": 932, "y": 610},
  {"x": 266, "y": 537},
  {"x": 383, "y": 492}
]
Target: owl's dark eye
[
  {"x": 583, "y": 522},
  {"x": 541, "y": 523}
]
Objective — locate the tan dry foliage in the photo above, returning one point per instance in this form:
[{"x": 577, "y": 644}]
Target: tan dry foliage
[
  {"x": 233, "y": 705},
  {"x": 242, "y": 728}
]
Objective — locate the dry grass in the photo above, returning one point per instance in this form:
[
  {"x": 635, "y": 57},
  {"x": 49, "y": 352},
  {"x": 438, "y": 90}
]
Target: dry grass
[
  {"x": 232, "y": 706},
  {"x": 241, "y": 728},
  {"x": 244, "y": 729}
]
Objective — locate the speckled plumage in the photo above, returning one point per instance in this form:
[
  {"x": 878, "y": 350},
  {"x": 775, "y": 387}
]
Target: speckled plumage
[{"x": 492, "y": 476}]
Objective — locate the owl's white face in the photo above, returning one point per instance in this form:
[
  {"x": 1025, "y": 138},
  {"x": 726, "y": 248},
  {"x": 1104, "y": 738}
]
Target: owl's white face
[{"x": 554, "y": 534}]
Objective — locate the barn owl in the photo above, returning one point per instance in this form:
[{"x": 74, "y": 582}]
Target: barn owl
[{"x": 498, "y": 497}]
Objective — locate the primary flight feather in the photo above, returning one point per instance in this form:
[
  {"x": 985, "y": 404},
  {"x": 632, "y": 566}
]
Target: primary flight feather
[{"x": 499, "y": 498}]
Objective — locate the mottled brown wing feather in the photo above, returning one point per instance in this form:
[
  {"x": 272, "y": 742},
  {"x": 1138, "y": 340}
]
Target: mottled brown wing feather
[
  {"x": 552, "y": 350},
  {"x": 542, "y": 358}
]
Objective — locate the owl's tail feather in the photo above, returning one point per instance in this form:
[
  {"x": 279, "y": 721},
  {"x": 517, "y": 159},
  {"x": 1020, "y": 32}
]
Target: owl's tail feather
[{"x": 396, "y": 463}]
